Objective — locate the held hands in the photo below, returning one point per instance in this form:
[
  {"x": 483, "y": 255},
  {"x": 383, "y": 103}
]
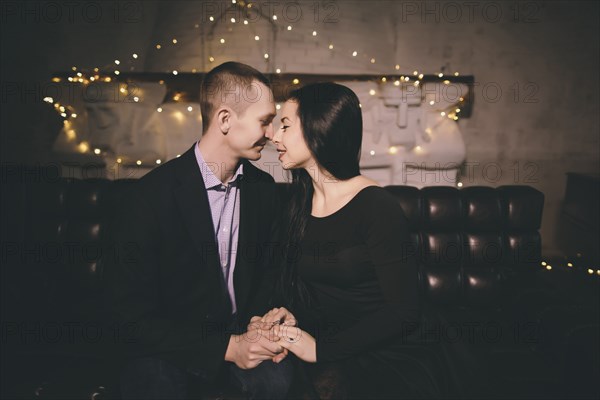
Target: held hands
[{"x": 270, "y": 337}]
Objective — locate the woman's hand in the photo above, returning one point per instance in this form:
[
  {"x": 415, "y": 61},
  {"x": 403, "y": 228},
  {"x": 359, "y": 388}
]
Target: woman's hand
[
  {"x": 299, "y": 342},
  {"x": 279, "y": 315}
]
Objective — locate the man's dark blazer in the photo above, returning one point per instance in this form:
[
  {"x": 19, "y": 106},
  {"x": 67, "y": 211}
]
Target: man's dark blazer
[{"x": 164, "y": 283}]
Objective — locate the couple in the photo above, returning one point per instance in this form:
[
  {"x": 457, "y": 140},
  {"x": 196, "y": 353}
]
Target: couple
[{"x": 200, "y": 271}]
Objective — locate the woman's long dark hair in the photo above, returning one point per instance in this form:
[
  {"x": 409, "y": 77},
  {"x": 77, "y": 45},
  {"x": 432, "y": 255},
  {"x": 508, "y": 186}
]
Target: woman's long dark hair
[{"x": 331, "y": 122}]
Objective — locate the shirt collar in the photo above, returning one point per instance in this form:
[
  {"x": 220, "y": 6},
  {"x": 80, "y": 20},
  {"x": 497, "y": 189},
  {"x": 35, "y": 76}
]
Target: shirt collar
[{"x": 206, "y": 169}]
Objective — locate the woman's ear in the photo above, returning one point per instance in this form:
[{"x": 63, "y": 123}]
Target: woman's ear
[{"x": 224, "y": 120}]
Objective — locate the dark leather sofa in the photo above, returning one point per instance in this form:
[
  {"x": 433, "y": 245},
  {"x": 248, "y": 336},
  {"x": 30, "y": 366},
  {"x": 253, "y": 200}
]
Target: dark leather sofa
[{"x": 493, "y": 326}]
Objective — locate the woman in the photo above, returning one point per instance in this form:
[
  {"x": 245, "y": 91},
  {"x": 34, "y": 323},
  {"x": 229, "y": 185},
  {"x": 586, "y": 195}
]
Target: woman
[{"x": 348, "y": 278}]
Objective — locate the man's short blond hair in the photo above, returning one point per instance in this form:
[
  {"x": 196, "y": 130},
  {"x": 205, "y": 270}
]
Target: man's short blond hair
[{"x": 229, "y": 83}]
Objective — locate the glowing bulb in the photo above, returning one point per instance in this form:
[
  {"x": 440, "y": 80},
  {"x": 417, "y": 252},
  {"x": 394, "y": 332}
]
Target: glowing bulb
[
  {"x": 459, "y": 184},
  {"x": 289, "y": 28},
  {"x": 296, "y": 81},
  {"x": 590, "y": 271},
  {"x": 158, "y": 161},
  {"x": 420, "y": 76},
  {"x": 384, "y": 79},
  {"x": 274, "y": 17},
  {"x": 48, "y": 99},
  {"x": 456, "y": 74},
  {"x": 407, "y": 79},
  {"x": 159, "y": 109},
  {"x": 116, "y": 62},
  {"x": 331, "y": 47},
  {"x": 266, "y": 55},
  {"x": 416, "y": 83},
  {"x": 372, "y": 92},
  {"x": 354, "y": 53},
  {"x": 194, "y": 70},
  {"x": 314, "y": 33},
  {"x": 232, "y": 20},
  {"x": 359, "y": 105},
  {"x": 396, "y": 83},
  {"x": 211, "y": 59},
  {"x": 74, "y": 115},
  {"x": 372, "y": 152},
  {"x": 174, "y": 72},
  {"x": 278, "y": 107},
  {"x": 415, "y": 73},
  {"x": 74, "y": 68},
  {"x": 119, "y": 160},
  {"x": 117, "y": 72},
  {"x": 431, "y": 102},
  {"x": 393, "y": 150},
  {"x": 446, "y": 82},
  {"x": 134, "y": 55},
  {"x": 440, "y": 74},
  {"x": 397, "y": 67},
  {"x": 211, "y": 18},
  {"x": 136, "y": 99},
  {"x": 61, "y": 108},
  {"x": 158, "y": 46},
  {"x": 457, "y": 110},
  {"x": 83, "y": 147},
  {"x": 79, "y": 74},
  {"x": 256, "y": 37},
  {"x": 598, "y": 271},
  {"x": 548, "y": 267},
  {"x": 178, "y": 155},
  {"x": 372, "y": 61},
  {"x": 190, "y": 108},
  {"x": 442, "y": 113},
  {"x": 63, "y": 115},
  {"x": 569, "y": 265},
  {"x": 222, "y": 40},
  {"x": 196, "y": 25},
  {"x": 139, "y": 162},
  {"x": 245, "y": 22},
  {"x": 97, "y": 151},
  {"x": 278, "y": 70}
]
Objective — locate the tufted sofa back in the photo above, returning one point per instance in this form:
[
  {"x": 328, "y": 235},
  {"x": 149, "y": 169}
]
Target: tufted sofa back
[{"x": 468, "y": 243}]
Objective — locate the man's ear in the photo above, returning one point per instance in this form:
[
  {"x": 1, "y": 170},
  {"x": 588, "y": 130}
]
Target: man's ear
[{"x": 224, "y": 115}]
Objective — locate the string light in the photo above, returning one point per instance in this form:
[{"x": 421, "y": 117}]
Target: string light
[
  {"x": 397, "y": 67},
  {"x": 190, "y": 108},
  {"x": 296, "y": 81},
  {"x": 314, "y": 33},
  {"x": 372, "y": 61},
  {"x": 158, "y": 46},
  {"x": 372, "y": 152},
  {"x": 139, "y": 162},
  {"x": 459, "y": 184},
  {"x": 119, "y": 160},
  {"x": 116, "y": 62},
  {"x": 440, "y": 75},
  {"x": 354, "y": 53},
  {"x": 211, "y": 18},
  {"x": 232, "y": 20},
  {"x": 278, "y": 70},
  {"x": 222, "y": 40},
  {"x": 274, "y": 17},
  {"x": 569, "y": 265},
  {"x": 266, "y": 55},
  {"x": 331, "y": 47},
  {"x": 590, "y": 271},
  {"x": 245, "y": 22},
  {"x": 158, "y": 161},
  {"x": 97, "y": 151},
  {"x": 134, "y": 55},
  {"x": 256, "y": 37},
  {"x": 159, "y": 109},
  {"x": 549, "y": 267},
  {"x": 175, "y": 72},
  {"x": 174, "y": 41},
  {"x": 289, "y": 28}
]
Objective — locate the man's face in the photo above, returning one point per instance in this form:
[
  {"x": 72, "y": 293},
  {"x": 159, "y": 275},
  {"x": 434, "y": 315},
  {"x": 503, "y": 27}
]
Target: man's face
[{"x": 251, "y": 128}]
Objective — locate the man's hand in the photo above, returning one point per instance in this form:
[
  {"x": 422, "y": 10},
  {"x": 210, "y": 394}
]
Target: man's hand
[{"x": 253, "y": 347}]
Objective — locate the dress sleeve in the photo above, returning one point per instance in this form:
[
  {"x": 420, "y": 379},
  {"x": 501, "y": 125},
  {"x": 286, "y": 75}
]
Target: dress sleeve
[{"x": 387, "y": 238}]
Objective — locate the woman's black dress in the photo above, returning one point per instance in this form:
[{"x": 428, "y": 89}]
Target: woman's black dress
[{"x": 357, "y": 263}]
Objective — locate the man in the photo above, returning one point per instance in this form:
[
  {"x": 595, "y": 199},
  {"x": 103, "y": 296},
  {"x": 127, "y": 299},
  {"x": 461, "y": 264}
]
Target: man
[{"x": 194, "y": 262}]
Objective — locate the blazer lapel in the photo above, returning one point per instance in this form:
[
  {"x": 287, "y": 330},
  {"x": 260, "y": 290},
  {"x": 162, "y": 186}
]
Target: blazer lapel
[
  {"x": 192, "y": 200},
  {"x": 248, "y": 246}
]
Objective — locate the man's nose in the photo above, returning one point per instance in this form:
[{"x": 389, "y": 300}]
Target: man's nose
[{"x": 270, "y": 132}]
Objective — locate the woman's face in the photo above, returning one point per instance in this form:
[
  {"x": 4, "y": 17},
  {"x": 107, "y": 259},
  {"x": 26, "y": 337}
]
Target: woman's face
[{"x": 289, "y": 140}]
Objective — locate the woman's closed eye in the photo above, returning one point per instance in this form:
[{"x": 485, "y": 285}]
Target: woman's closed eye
[{"x": 284, "y": 127}]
